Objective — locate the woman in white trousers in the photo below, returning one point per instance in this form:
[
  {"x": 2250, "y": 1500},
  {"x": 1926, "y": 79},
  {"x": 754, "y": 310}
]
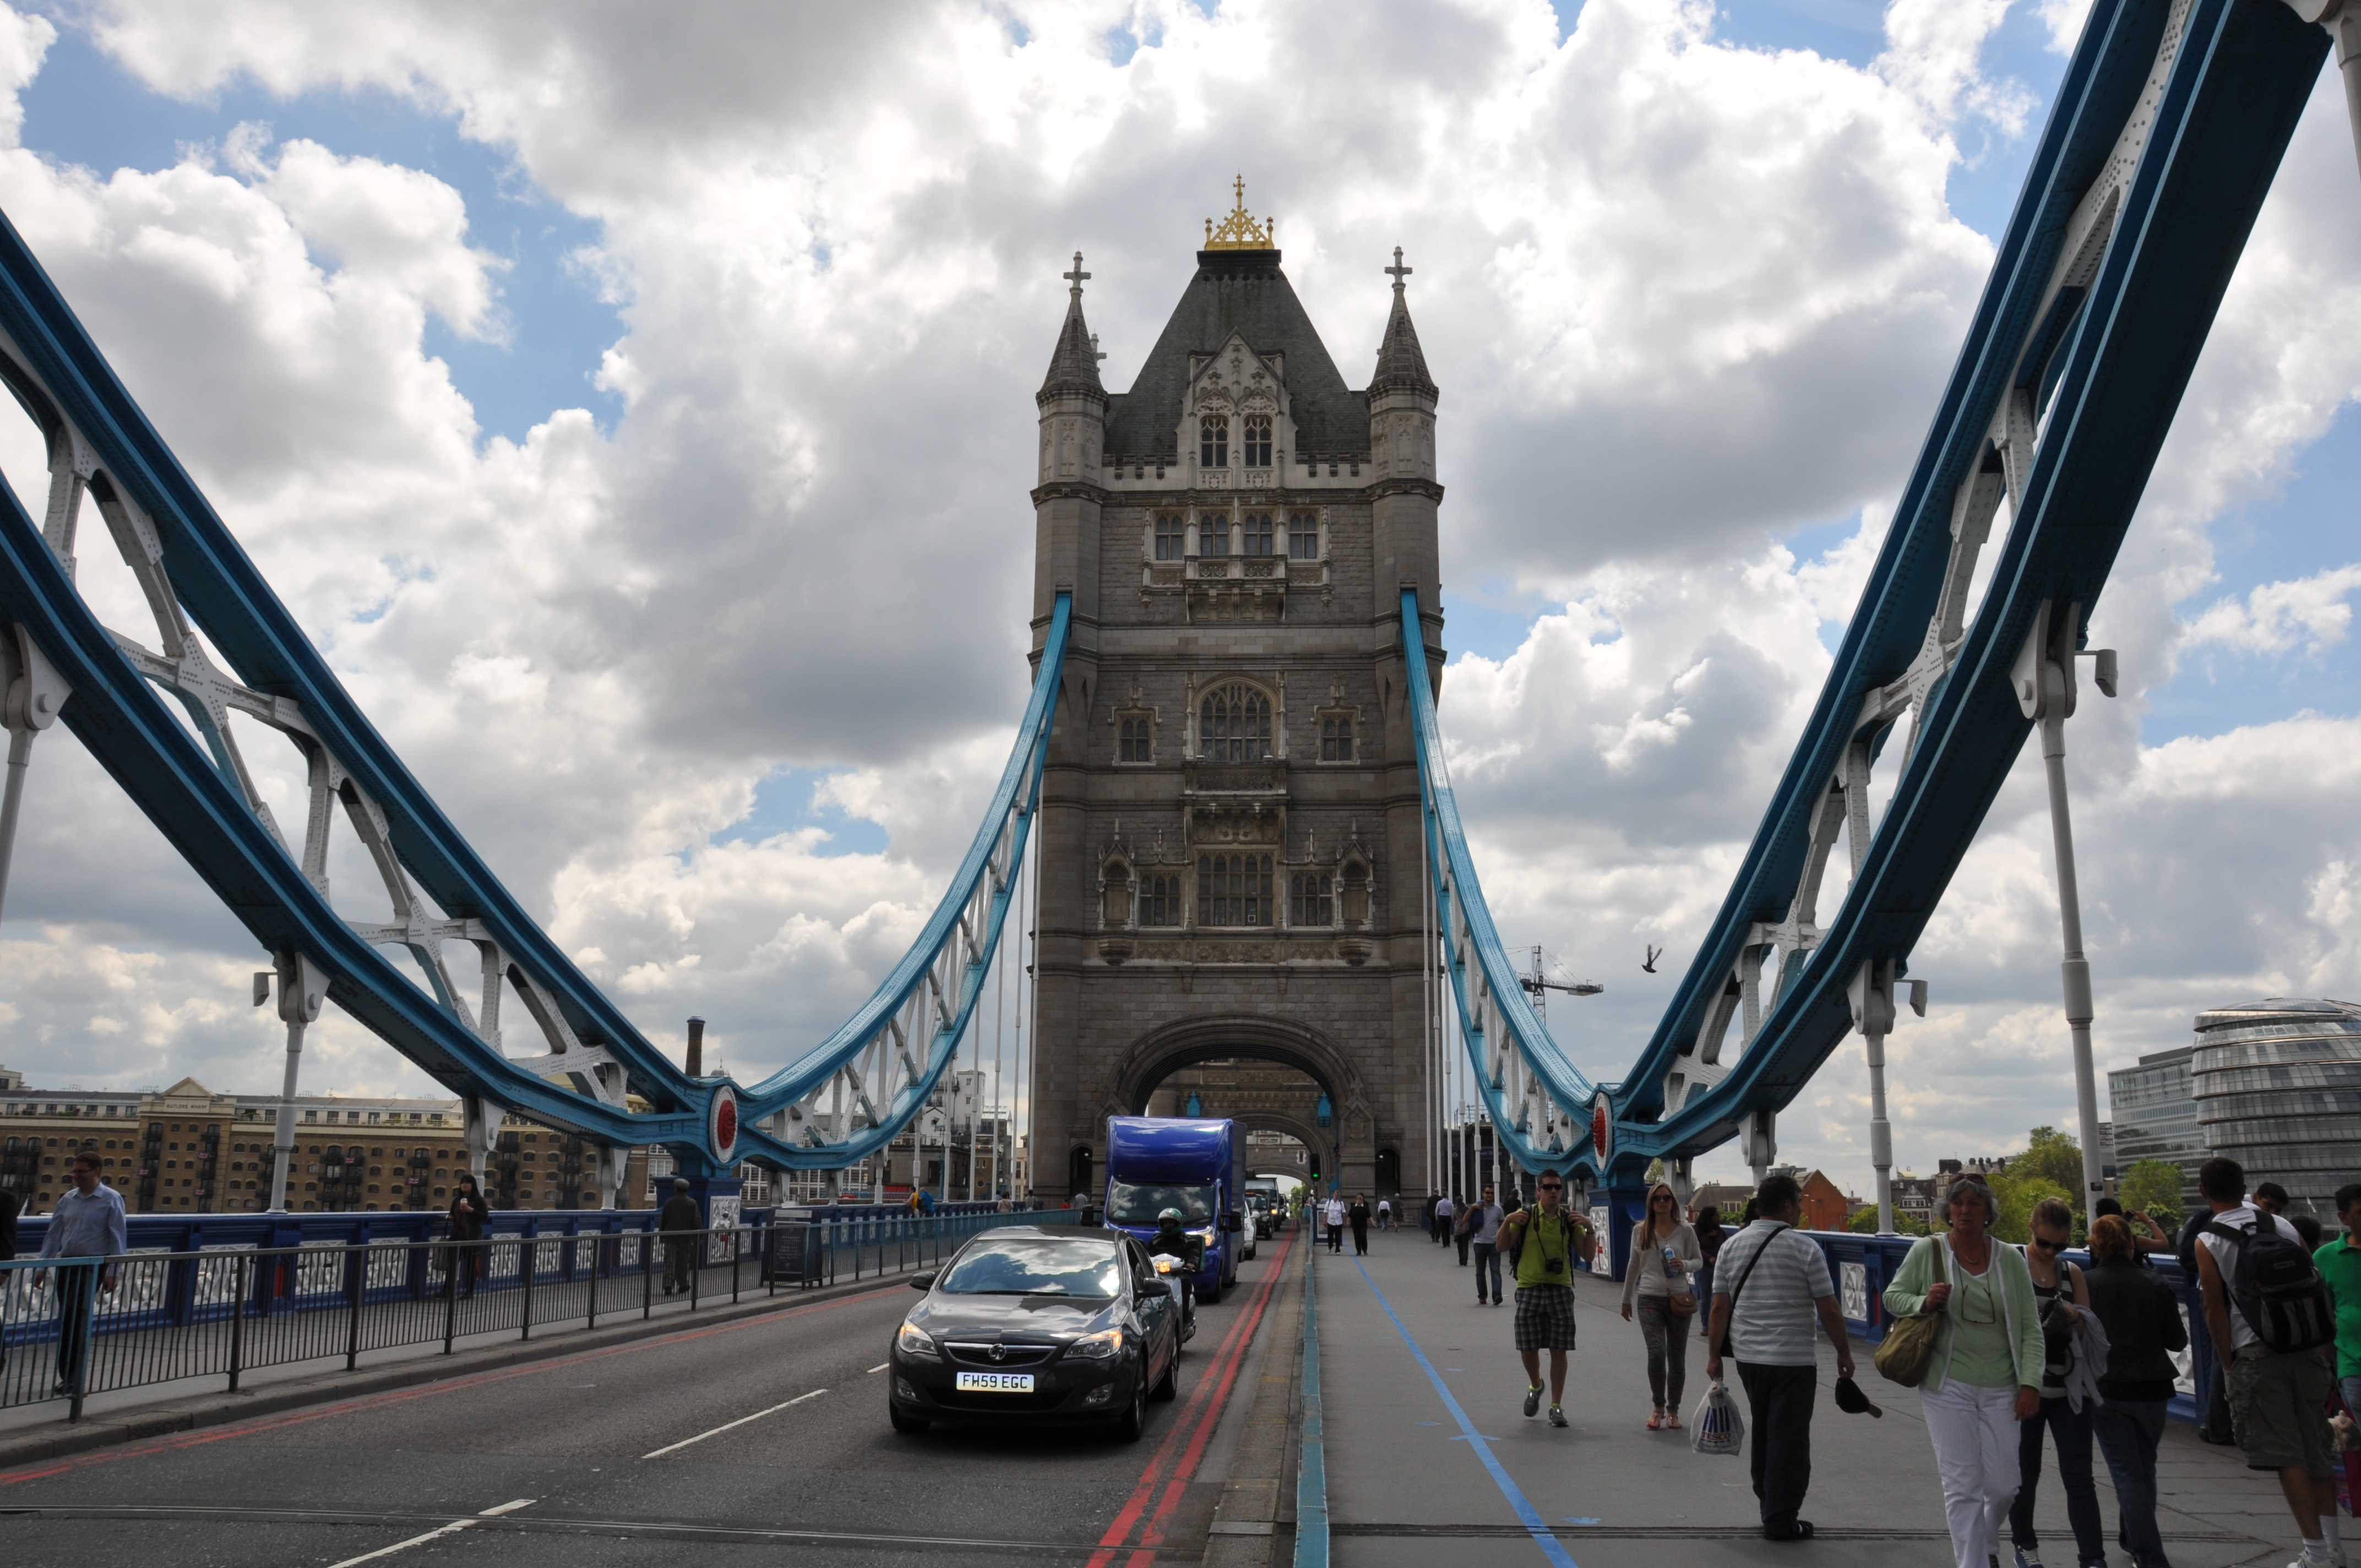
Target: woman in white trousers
[{"x": 1986, "y": 1373}]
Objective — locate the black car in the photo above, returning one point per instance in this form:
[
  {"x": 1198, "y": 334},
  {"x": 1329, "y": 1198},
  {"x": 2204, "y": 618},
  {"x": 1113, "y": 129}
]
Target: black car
[{"x": 1035, "y": 1325}]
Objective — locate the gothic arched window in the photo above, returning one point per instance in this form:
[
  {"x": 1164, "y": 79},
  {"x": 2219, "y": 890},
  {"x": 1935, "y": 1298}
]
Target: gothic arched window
[
  {"x": 1314, "y": 902},
  {"x": 1256, "y": 529},
  {"x": 1213, "y": 442},
  {"x": 1233, "y": 725},
  {"x": 1134, "y": 741},
  {"x": 1171, "y": 536},
  {"x": 1256, "y": 445},
  {"x": 1303, "y": 535},
  {"x": 1234, "y": 890},
  {"x": 1213, "y": 533},
  {"x": 1159, "y": 901}
]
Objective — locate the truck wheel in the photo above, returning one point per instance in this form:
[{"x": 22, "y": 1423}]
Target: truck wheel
[{"x": 1210, "y": 1295}]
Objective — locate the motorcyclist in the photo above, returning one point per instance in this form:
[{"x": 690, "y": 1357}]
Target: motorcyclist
[{"x": 1173, "y": 1241}]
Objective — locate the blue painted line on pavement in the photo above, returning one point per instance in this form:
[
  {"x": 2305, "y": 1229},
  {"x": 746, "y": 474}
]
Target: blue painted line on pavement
[
  {"x": 1312, "y": 1462},
  {"x": 1530, "y": 1517}
]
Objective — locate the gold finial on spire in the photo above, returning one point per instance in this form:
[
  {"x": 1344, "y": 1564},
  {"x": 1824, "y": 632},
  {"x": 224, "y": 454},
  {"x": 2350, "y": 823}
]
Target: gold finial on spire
[{"x": 1239, "y": 231}]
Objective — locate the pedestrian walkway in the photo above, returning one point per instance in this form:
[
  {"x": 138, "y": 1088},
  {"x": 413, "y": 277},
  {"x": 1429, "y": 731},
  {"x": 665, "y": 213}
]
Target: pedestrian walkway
[{"x": 1426, "y": 1452}]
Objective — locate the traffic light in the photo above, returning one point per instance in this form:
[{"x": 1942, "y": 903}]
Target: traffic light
[{"x": 1315, "y": 1173}]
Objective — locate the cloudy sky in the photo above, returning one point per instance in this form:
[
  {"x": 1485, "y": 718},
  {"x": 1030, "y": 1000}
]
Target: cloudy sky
[{"x": 634, "y": 403}]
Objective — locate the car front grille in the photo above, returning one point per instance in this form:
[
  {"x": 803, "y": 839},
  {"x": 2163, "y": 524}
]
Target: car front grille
[{"x": 1012, "y": 1356}]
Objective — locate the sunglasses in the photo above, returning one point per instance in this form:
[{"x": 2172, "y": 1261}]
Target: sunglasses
[
  {"x": 2046, "y": 1245},
  {"x": 1667, "y": 1198},
  {"x": 1553, "y": 1187}
]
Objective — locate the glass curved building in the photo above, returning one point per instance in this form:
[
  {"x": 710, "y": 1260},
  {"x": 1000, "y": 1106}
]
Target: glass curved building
[{"x": 2277, "y": 1086}]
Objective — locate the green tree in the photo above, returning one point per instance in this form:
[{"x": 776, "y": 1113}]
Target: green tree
[
  {"x": 2016, "y": 1195},
  {"x": 2051, "y": 1155},
  {"x": 2154, "y": 1185},
  {"x": 1865, "y": 1220},
  {"x": 1655, "y": 1172}
]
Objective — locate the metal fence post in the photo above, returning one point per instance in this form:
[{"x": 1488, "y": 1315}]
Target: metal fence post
[
  {"x": 526, "y": 1260},
  {"x": 451, "y": 1289},
  {"x": 89, "y": 1335},
  {"x": 598, "y": 1252},
  {"x": 237, "y": 1324},
  {"x": 647, "y": 1272},
  {"x": 356, "y": 1274},
  {"x": 697, "y": 1266}
]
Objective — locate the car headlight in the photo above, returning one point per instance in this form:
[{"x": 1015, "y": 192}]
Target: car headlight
[
  {"x": 1205, "y": 1235},
  {"x": 1100, "y": 1346},
  {"x": 915, "y": 1341}
]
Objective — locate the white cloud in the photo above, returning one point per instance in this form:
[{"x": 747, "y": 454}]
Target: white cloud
[{"x": 1681, "y": 297}]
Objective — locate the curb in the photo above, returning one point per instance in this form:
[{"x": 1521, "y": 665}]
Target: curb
[
  {"x": 1253, "y": 1522},
  {"x": 191, "y": 1414}
]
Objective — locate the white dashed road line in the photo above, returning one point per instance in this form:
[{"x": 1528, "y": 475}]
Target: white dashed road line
[
  {"x": 724, "y": 1427},
  {"x": 451, "y": 1529}
]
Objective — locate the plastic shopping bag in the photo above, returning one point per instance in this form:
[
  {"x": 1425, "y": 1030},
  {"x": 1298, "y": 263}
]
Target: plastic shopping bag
[{"x": 1717, "y": 1427}]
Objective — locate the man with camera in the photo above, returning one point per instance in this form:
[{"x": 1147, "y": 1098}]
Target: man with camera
[{"x": 1544, "y": 1243}]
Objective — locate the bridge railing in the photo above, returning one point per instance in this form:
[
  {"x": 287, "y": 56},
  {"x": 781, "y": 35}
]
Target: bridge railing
[{"x": 77, "y": 1327}]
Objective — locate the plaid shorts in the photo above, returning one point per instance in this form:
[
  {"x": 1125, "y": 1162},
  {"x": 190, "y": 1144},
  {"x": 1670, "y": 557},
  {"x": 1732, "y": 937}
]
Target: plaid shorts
[{"x": 1544, "y": 1316}]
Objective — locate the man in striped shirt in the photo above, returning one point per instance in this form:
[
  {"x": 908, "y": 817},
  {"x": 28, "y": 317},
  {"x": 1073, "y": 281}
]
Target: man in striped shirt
[{"x": 1770, "y": 1283}]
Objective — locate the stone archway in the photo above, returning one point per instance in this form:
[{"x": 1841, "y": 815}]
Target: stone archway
[{"x": 1350, "y": 1143}]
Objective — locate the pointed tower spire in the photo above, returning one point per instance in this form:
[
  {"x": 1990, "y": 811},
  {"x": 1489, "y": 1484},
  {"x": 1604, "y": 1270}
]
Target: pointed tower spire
[
  {"x": 1401, "y": 364},
  {"x": 1074, "y": 366}
]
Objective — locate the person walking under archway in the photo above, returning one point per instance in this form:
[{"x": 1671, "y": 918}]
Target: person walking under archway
[
  {"x": 1332, "y": 1214},
  {"x": 1359, "y": 1215},
  {"x": 1660, "y": 1282}
]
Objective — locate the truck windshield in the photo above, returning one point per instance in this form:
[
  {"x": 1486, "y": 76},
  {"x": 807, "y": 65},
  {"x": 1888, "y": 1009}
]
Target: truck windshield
[{"x": 1138, "y": 1203}]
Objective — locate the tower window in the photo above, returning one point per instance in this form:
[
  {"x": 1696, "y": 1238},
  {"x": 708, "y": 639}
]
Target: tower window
[
  {"x": 1132, "y": 741},
  {"x": 1256, "y": 445},
  {"x": 1335, "y": 737},
  {"x": 1171, "y": 536},
  {"x": 1159, "y": 901},
  {"x": 1233, "y": 725},
  {"x": 1234, "y": 890},
  {"x": 1213, "y": 442},
  {"x": 1303, "y": 535},
  {"x": 1214, "y": 534},
  {"x": 1258, "y": 532},
  {"x": 1313, "y": 899}
]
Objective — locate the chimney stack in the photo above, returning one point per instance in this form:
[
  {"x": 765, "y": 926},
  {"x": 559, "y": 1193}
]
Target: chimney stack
[{"x": 697, "y": 1048}]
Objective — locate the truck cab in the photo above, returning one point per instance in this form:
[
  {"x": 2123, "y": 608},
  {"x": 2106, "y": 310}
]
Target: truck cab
[{"x": 1189, "y": 1163}]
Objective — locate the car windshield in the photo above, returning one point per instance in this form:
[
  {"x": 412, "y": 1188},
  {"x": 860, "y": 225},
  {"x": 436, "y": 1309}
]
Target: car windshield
[
  {"x": 1033, "y": 1266},
  {"x": 1138, "y": 1203}
]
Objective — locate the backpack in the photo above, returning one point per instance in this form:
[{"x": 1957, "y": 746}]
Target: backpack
[{"x": 2278, "y": 1289}]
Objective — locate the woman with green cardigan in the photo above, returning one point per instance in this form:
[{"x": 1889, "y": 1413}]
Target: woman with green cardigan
[{"x": 1985, "y": 1377}]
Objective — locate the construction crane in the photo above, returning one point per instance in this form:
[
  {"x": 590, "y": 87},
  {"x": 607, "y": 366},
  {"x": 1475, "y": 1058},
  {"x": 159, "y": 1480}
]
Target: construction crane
[{"x": 1537, "y": 985}]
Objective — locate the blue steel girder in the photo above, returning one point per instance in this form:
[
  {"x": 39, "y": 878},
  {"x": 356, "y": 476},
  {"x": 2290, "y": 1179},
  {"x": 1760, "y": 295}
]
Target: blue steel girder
[
  {"x": 2167, "y": 129},
  {"x": 197, "y": 578}
]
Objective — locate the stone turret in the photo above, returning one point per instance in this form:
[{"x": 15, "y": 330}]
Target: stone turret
[
  {"x": 1072, "y": 402},
  {"x": 1402, "y": 449}
]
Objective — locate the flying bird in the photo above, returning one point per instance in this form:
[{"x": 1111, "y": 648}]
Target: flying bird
[{"x": 1649, "y": 963}]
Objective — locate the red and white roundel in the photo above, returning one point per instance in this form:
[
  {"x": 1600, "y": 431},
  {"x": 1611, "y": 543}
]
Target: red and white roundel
[
  {"x": 721, "y": 1123},
  {"x": 1602, "y": 1130}
]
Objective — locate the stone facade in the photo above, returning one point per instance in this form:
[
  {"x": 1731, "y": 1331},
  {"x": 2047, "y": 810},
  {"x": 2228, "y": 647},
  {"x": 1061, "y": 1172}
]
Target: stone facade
[{"x": 1230, "y": 849}]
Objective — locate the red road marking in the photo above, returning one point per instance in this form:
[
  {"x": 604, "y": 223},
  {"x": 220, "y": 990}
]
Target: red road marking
[
  {"x": 402, "y": 1396},
  {"x": 1194, "y": 1428}
]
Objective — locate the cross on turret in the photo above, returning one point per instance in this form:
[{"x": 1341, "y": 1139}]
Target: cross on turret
[
  {"x": 1078, "y": 275},
  {"x": 1397, "y": 271}
]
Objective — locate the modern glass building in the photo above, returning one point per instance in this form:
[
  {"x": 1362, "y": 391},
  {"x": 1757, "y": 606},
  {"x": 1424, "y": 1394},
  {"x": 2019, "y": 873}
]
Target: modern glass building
[
  {"x": 2155, "y": 1117},
  {"x": 2276, "y": 1085}
]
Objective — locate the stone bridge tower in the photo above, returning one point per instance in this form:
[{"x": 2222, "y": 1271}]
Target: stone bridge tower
[{"x": 1230, "y": 847}]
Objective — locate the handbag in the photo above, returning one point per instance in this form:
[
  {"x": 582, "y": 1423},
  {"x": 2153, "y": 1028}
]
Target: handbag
[{"x": 1910, "y": 1346}]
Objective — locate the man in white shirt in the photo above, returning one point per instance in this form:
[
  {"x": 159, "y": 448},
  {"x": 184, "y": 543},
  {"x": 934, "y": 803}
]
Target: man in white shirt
[
  {"x": 1484, "y": 1231},
  {"x": 1781, "y": 1283},
  {"x": 1333, "y": 1216},
  {"x": 87, "y": 1223},
  {"x": 1444, "y": 1209},
  {"x": 2278, "y": 1400}
]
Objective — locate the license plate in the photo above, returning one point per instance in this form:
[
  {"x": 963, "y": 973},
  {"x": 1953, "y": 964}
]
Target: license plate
[{"x": 995, "y": 1383}]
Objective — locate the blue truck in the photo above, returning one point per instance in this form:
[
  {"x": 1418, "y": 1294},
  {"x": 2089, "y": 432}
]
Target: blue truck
[{"x": 1194, "y": 1164}]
